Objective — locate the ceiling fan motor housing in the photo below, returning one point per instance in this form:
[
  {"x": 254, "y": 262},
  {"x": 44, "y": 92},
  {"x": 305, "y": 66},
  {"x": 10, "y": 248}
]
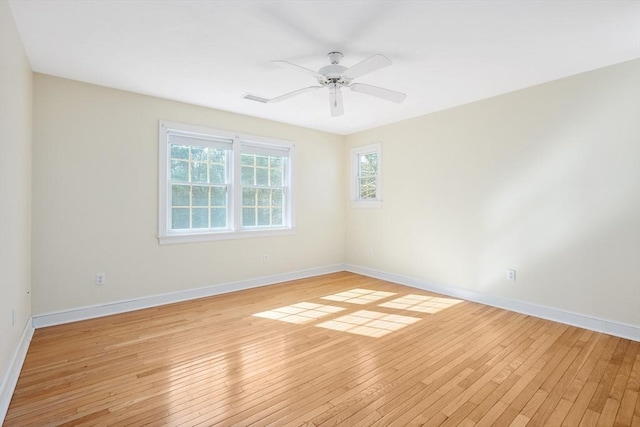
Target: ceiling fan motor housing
[{"x": 333, "y": 73}]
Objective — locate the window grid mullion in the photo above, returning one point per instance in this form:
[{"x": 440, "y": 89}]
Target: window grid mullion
[{"x": 235, "y": 203}]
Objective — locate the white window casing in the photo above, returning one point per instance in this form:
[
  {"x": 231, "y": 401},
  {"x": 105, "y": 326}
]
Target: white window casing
[
  {"x": 277, "y": 156},
  {"x": 365, "y": 185}
]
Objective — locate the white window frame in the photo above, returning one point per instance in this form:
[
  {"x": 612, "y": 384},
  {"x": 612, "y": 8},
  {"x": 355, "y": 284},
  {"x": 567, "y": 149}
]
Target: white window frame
[
  {"x": 234, "y": 229},
  {"x": 356, "y": 152}
]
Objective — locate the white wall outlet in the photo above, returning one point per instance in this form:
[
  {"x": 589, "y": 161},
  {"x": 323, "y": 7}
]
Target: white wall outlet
[
  {"x": 511, "y": 275},
  {"x": 13, "y": 317},
  {"x": 101, "y": 278},
  {"x": 265, "y": 257}
]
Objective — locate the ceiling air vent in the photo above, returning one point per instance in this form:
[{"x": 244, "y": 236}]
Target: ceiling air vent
[{"x": 255, "y": 98}]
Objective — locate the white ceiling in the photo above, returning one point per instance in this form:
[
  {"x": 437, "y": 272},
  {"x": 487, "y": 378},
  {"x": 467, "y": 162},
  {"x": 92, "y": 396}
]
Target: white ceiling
[{"x": 211, "y": 53}]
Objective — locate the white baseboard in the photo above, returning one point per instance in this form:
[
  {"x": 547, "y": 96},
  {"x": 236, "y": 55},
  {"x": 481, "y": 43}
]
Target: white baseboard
[
  {"x": 11, "y": 378},
  {"x": 550, "y": 313},
  {"x": 94, "y": 311},
  {"x": 574, "y": 319}
]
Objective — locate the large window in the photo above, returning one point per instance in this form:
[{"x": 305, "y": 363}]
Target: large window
[
  {"x": 366, "y": 175},
  {"x": 217, "y": 184}
]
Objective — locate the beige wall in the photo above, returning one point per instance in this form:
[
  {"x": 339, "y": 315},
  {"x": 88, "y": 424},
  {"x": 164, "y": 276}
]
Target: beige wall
[
  {"x": 15, "y": 188},
  {"x": 95, "y": 190},
  {"x": 545, "y": 180}
]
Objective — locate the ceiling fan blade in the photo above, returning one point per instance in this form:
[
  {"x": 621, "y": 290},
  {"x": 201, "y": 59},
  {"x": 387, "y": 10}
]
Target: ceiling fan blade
[
  {"x": 291, "y": 66},
  {"x": 389, "y": 95},
  {"x": 367, "y": 66},
  {"x": 335, "y": 101},
  {"x": 294, "y": 93}
]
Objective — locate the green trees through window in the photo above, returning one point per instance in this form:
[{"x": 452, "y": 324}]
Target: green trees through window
[
  {"x": 262, "y": 190},
  {"x": 199, "y": 185},
  {"x": 366, "y": 175}
]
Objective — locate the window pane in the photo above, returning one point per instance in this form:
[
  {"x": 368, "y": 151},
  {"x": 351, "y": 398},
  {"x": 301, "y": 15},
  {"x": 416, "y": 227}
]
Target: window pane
[
  {"x": 198, "y": 154},
  {"x": 247, "y": 159},
  {"x": 248, "y": 217},
  {"x": 198, "y": 172},
  {"x": 276, "y": 177},
  {"x": 249, "y": 197},
  {"x": 217, "y": 174},
  {"x": 372, "y": 159},
  {"x": 180, "y": 195},
  {"x": 264, "y": 216},
  {"x": 179, "y": 170},
  {"x": 217, "y": 155},
  {"x": 264, "y": 197},
  {"x": 275, "y": 162},
  {"x": 276, "y": 216},
  {"x": 179, "y": 218},
  {"x": 262, "y": 176},
  {"x": 368, "y": 164},
  {"x": 219, "y": 196},
  {"x": 277, "y": 197},
  {"x": 262, "y": 161},
  {"x": 179, "y": 152},
  {"x": 200, "y": 218},
  {"x": 200, "y": 196},
  {"x": 368, "y": 188},
  {"x": 218, "y": 217},
  {"x": 248, "y": 175}
]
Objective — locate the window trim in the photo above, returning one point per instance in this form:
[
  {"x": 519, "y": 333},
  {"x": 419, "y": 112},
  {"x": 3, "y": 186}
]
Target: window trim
[
  {"x": 235, "y": 230},
  {"x": 354, "y": 187}
]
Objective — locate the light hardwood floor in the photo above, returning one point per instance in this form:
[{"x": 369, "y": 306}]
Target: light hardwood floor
[{"x": 408, "y": 358}]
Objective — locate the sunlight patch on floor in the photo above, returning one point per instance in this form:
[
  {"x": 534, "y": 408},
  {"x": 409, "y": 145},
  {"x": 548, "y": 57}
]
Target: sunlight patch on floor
[
  {"x": 359, "y": 296},
  {"x": 369, "y": 323},
  {"x": 421, "y": 303},
  {"x": 301, "y": 312}
]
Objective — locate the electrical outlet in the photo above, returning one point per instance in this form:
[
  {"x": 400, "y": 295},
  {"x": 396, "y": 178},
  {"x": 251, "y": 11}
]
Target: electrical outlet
[
  {"x": 101, "y": 278},
  {"x": 13, "y": 317},
  {"x": 265, "y": 258},
  {"x": 511, "y": 275}
]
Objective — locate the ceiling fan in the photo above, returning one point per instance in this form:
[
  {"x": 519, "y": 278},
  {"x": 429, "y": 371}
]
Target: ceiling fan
[{"x": 335, "y": 77}]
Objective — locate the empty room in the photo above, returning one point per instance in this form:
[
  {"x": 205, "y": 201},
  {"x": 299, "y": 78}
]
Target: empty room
[{"x": 315, "y": 213}]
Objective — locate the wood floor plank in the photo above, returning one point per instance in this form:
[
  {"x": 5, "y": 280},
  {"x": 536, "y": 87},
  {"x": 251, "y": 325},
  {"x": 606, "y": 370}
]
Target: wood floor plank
[
  {"x": 574, "y": 357},
  {"x": 458, "y": 409},
  {"x": 627, "y": 407},
  {"x": 557, "y": 387},
  {"x": 212, "y": 361},
  {"x": 442, "y": 383},
  {"x": 608, "y": 415},
  {"x": 620, "y": 360}
]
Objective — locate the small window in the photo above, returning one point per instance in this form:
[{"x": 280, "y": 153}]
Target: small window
[
  {"x": 218, "y": 185},
  {"x": 366, "y": 176}
]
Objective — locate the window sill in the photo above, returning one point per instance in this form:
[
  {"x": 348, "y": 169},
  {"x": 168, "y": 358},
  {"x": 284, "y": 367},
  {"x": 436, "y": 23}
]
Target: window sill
[
  {"x": 224, "y": 235},
  {"x": 366, "y": 203}
]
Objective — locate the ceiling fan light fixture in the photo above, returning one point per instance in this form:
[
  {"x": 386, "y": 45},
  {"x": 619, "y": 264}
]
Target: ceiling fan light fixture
[{"x": 336, "y": 105}]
